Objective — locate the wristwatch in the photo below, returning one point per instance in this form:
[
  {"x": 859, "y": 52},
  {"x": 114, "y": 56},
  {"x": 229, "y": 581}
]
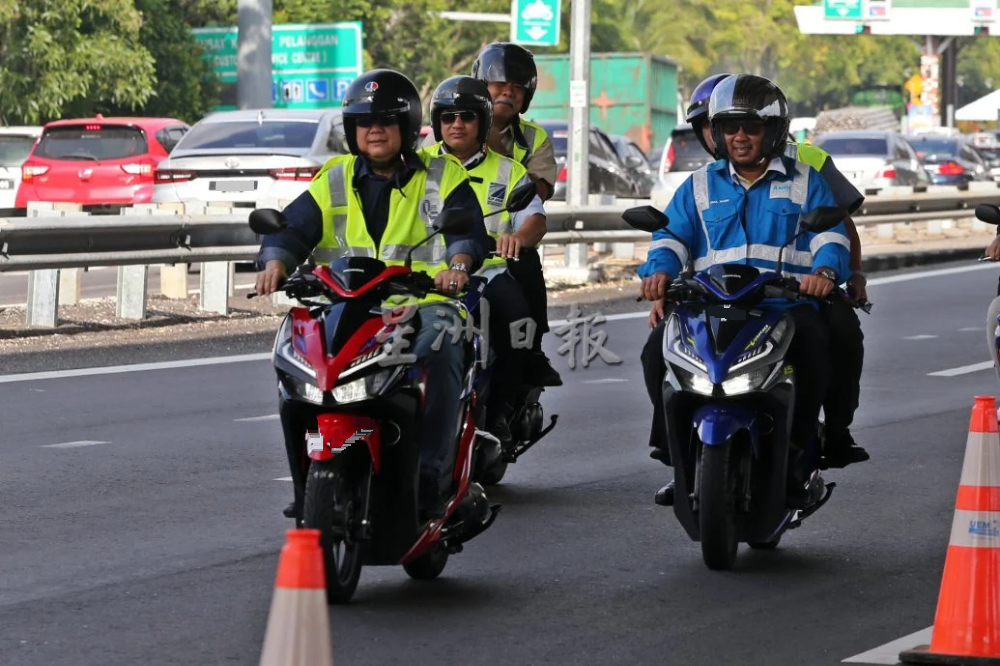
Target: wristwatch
[
  {"x": 828, "y": 273},
  {"x": 459, "y": 266}
]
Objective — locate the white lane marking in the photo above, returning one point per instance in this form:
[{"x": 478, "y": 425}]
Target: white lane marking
[
  {"x": 892, "y": 279},
  {"x": 73, "y": 445},
  {"x": 252, "y": 419},
  {"x": 964, "y": 370},
  {"x": 606, "y": 380},
  {"x": 193, "y": 292},
  {"x": 610, "y": 317},
  {"x": 970, "y": 329},
  {"x": 139, "y": 367},
  {"x": 920, "y": 337},
  {"x": 284, "y": 478},
  {"x": 889, "y": 653}
]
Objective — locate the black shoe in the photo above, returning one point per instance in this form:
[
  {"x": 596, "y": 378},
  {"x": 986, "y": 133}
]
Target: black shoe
[
  {"x": 841, "y": 451},
  {"x": 660, "y": 454},
  {"x": 289, "y": 510},
  {"x": 665, "y": 495},
  {"x": 538, "y": 371},
  {"x": 432, "y": 499},
  {"x": 797, "y": 496}
]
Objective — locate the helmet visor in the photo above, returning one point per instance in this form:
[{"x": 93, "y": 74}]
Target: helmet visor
[{"x": 497, "y": 67}]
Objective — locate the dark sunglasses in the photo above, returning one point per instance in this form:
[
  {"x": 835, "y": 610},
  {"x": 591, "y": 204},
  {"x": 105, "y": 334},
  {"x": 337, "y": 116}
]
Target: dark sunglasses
[
  {"x": 751, "y": 127},
  {"x": 450, "y": 117},
  {"x": 382, "y": 121}
]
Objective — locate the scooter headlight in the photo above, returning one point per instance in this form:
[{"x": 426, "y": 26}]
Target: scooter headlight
[
  {"x": 747, "y": 382},
  {"x": 362, "y": 388},
  {"x": 693, "y": 381}
]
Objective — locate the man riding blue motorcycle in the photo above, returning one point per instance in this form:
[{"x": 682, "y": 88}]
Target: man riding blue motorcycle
[{"x": 744, "y": 209}]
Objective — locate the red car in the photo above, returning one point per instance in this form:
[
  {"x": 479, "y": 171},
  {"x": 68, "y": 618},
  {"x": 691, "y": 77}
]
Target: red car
[{"x": 98, "y": 160}]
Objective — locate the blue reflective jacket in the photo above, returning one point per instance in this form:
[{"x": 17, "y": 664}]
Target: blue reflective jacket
[{"x": 722, "y": 222}]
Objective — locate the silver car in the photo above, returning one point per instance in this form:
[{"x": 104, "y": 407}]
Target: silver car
[
  {"x": 245, "y": 156},
  {"x": 874, "y": 159},
  {"x": 15, "y": 146}
]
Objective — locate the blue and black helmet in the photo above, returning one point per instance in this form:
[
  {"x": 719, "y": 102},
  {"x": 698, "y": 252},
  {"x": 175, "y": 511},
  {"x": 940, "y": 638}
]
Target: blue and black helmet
[{"x": 697, "y": 111}]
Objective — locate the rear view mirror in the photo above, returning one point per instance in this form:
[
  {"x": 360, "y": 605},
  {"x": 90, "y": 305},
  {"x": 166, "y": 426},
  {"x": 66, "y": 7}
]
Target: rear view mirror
[
  {"x": 521, "y": 197},
  {"x": 823, "y": 219},
  {"x": 267, "y": 221},
  {"x": 988, "y": 213},
  {"x": 645, "y": 218},
  {"x": 633, "y": 162},
  {"x": 454, "y": 221}
]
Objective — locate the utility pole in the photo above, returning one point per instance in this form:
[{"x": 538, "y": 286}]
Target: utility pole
[{"x": 253, "y": 85}]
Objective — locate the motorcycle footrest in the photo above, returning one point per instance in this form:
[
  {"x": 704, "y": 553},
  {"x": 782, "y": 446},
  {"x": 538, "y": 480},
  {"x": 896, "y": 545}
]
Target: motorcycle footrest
[
  {"x": 810, "y": 510},
  {"x": 521, "y": 448}
]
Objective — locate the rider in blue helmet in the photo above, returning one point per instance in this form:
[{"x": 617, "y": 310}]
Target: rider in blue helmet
[{"x": 697, "y": 111}]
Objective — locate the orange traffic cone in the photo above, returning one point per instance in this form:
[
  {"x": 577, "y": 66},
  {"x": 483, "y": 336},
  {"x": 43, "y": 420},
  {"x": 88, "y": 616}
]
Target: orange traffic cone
[
  {"x": 298, "y": 627},
  {"x": 967, "y": 623}
]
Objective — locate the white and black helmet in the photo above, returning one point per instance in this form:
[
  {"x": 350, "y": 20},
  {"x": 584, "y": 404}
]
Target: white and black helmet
[{"x": 747, "y": 96}]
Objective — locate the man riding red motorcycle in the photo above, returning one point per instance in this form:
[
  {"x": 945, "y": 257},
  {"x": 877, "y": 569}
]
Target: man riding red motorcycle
[{"x": 381, "y": 202}]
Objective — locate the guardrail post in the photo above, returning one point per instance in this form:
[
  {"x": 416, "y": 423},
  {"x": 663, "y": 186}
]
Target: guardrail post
[
  {"x": 43, "y": 286},
  {"x": 43, "y": 298},
  {"x": 130, "y": 301},
  {"x": 215, "y": 276},
  {"x": 576, "y": 255},
  {"x": 173, "y": 277},
  {"x": 623, "y": 250},
  {"x": 70, "y": 285}
]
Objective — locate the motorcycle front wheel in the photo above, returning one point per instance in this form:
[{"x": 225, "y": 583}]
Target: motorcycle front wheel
[
  {"x": 334, "y": 500},
  {"x": 717, "y": 506}
]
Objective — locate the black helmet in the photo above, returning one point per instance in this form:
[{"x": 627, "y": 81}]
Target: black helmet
[
  {"x": 750, "y": 96},
  {"x": 383, "y": 92},
  {"x": 508, "y": 63},
  {"x": 463, "y": 93}
]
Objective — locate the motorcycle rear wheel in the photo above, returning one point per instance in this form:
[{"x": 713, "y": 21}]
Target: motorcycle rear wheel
[
  {"x": 717, "y": 506},
  {"x": 334, "y": 496},
  {"x": 429, "y": 565}
]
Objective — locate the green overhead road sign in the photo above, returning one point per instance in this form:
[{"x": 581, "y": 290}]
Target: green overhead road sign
[
  {"x": 312, "y": 64},
  {"x": 842, "y": 9},
  {"x": 535, "y": 22}
]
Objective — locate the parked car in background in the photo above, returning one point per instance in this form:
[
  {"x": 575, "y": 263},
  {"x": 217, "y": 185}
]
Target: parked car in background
[
  {"x": 607, "y": 174},
  {"x": 988, "y": 146},
  {"x": 245, "y": 156},
  {"x": 951, "y": 160},
  {"x": 97, "y": 160},
  {"x": 682, "y": 155},
  {"x": 874, "y": 159},
  {"x": 15, "y": 146},
  {"x": 638, "y": 165}
]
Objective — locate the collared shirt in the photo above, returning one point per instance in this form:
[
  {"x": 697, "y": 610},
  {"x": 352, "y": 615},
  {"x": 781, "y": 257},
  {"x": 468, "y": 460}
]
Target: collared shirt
[
  {"x": 775, "y": 165},
  {"x": 517, "y": 219},
  {"x": 305, "y": 220},
  {"x": 724, "y": 222},
  {"x": 541, "y": 163}
]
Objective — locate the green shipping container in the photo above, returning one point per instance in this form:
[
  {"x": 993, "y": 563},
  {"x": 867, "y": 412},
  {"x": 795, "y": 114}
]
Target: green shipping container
[{"x": 630, "y": 93}]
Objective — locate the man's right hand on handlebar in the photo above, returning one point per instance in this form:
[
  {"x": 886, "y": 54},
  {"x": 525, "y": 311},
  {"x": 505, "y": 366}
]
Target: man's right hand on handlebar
[
  {"x": 654, "y": 288},
  {"x": 269, "y": 279},
  {"x": 993, "y": 251}
]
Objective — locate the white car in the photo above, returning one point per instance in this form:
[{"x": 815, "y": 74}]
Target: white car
[
  {"x": 682, "y": 155},
  {"x": 15, "y": 147},
  {"x": 246, "y": 156}
]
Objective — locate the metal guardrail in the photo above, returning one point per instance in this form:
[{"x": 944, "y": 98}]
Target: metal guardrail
[{"x": 49, "y": 240}]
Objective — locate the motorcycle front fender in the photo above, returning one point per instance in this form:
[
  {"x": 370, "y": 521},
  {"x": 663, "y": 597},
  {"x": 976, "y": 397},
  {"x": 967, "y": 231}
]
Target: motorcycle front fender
[
  {"x": 337, "y": 432},
  {"x": 718, "y": 423}
]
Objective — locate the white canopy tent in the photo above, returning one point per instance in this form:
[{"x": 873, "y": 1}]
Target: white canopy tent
[{"x": 983, "y": 109}]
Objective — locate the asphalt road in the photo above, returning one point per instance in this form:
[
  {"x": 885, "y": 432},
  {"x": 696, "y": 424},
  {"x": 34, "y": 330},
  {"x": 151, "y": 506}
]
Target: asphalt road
[{"x": 159, "y": 544}]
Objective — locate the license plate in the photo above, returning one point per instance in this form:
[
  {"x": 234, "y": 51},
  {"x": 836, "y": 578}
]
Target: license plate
[
  {"x": 232, "y": 185},
  {"x": 6, "y": 184}
]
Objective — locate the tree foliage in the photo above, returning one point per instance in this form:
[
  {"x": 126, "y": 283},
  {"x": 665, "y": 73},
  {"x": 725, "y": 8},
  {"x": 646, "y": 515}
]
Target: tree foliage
[
  {"x": 67, "y": 56},
  {"x": 75, "y": 56}
]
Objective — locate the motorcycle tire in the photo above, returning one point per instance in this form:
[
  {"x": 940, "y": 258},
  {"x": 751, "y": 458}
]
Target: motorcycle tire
[
  {"x": 429, "y": 565},
  {"x": 494, "y": 474},
  {"x": 333, "y": 502},
  {"x": 717, "y": 506}
]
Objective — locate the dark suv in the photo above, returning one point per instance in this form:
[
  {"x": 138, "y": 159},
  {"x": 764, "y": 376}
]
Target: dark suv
[{"x": 608, "y": 174}]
